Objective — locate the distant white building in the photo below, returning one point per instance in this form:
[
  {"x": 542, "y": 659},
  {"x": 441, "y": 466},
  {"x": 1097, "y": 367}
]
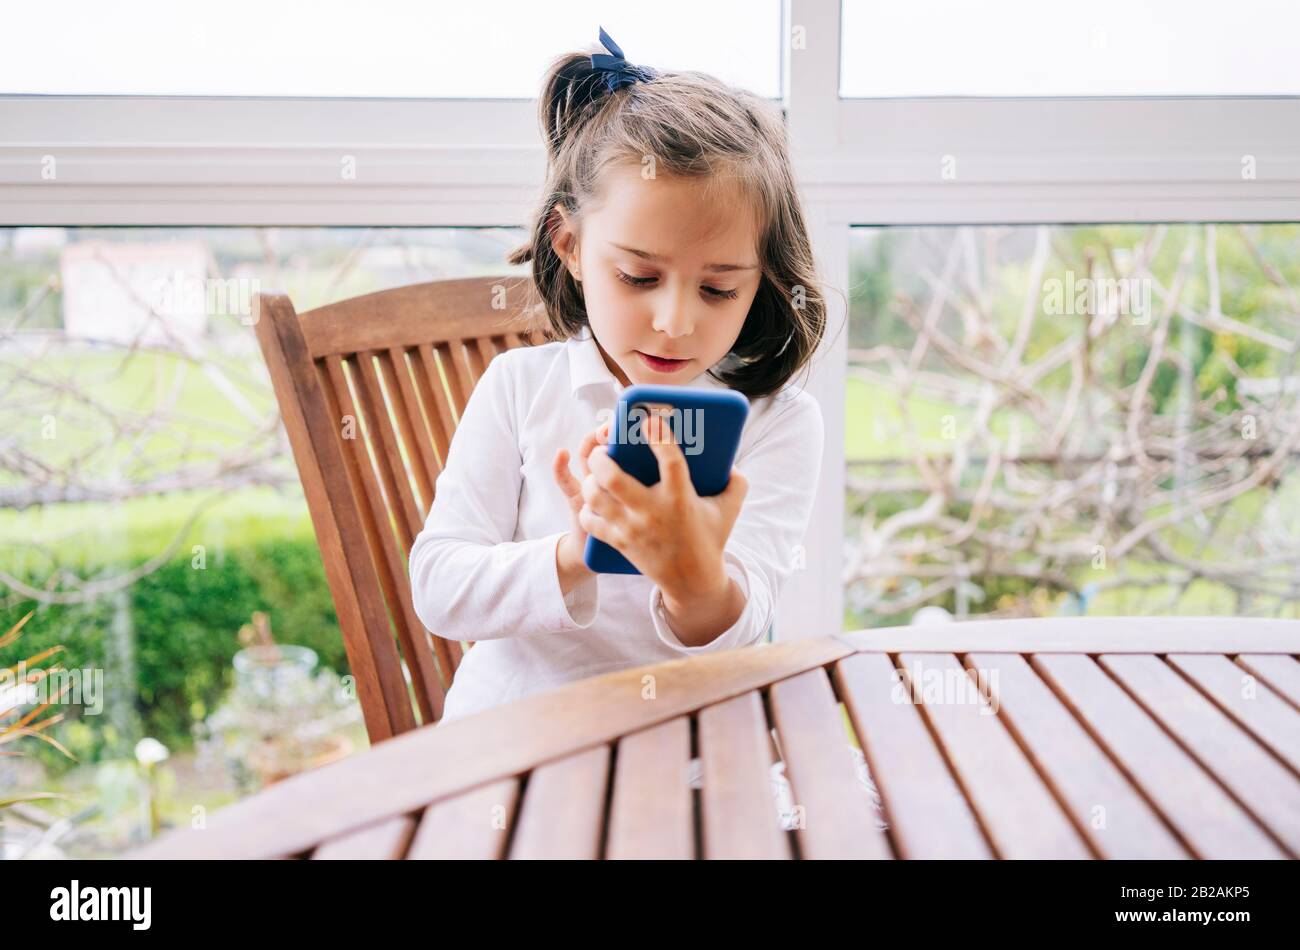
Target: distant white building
[{"x": 118, "y": 291}]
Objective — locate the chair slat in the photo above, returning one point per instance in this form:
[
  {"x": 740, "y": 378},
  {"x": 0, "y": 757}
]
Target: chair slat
[
  {"x": 477, "y": 354},
  {"x": 652, "y": 814},
  {"x": 386, "y": 450},
  {"x": 1017, "y": 810},
  {"x": 928, "y": 815},
  {"x": 737, "y": 814},
  {"x": 422, "y": 459},
  {"x": 1110, "y": 813},
  {"x": 437, "y": 401},
  {"x": 455, "y": 367},
  {"x": 389, "y": 562},
  {"x": 1205, "y": 818},
  {"x": 384, "y": 840},
  {"x": 837, "y": 819},
  {"x": 421, "y": 313},
  {"x": 473, "y": 825},
  {"x": 1280, "y": 672},
  {"x": 1259, "y": 781},
  {"x": 563, "y": 811}
]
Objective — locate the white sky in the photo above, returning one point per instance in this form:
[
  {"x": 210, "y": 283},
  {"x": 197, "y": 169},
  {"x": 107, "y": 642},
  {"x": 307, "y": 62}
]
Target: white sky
[
  {"x": 499, "y": 48},
  {"x": 481, "y": 48},
  {"x": 1055, "y": 47}
]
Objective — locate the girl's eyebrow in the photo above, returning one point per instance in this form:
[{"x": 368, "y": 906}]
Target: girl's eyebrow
[{"x": 646, "y": 255}]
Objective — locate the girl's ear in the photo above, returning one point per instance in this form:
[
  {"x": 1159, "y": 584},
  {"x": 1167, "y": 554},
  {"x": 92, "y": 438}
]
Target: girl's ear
[{"x": 564, "y": 239}]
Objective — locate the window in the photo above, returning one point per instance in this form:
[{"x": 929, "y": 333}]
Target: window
[
  {"x": 1113, "y": 407},
  {"x": 1102, "y": 48},
  {"x": 398, "y": 48}
]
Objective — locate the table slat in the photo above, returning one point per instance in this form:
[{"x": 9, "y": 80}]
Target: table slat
[
  {"x": 563, "y": 811},
  {"x": 1201, "y": 813},
  {"x": 1259, "y": 781},
  {"x": 1116, "y": 820},
  {"x": 838, "y": 819},
  {"x": 405, "y": 773},
  {"x": 1015, "y": 807},
  {"x": 738, "y": 814},
  {"x": 473, "y": 825},
  {"x": 653, "y": 810},
  {"x": 384, "y": 840},
  {"x": 928, "y": 815},
  {"x": 1270, "y": 718},
  {"x": 1281, "y": 672},
  {"x": 1086, "y": 635}
]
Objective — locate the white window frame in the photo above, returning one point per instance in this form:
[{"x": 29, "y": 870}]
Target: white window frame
[{"x": 208, "y": 161}]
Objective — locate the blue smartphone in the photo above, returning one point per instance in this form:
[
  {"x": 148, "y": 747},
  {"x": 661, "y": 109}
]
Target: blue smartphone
[{"x": 706, "y": 423}]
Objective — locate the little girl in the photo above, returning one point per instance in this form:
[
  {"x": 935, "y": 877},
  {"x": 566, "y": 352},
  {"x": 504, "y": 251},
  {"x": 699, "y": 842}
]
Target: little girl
[{"x": 670, "y": 248}]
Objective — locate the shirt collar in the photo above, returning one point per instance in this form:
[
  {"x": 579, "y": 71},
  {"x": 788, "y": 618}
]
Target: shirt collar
[{"x": 587, "y": 367}]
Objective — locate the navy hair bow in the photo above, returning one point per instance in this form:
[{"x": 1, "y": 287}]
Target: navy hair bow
[{"x": 618, "y": 71}]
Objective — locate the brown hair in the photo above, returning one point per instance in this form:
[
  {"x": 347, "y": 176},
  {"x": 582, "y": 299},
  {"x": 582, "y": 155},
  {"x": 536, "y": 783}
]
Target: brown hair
[{"x": 691, "y": 125}]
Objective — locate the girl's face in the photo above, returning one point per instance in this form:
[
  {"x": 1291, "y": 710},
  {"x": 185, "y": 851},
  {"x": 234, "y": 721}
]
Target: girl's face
[{"x": 666, "y": 271}]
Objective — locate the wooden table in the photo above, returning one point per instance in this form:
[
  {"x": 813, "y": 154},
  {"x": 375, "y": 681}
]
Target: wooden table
[{"x": 1069, "y": 738}]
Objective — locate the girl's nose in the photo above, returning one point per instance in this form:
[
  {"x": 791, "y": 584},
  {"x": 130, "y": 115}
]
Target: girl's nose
[{"x": 673, "y": 317}]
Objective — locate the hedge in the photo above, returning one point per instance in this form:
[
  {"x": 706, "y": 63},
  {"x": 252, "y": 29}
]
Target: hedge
[{"x": 183, "y": 622}]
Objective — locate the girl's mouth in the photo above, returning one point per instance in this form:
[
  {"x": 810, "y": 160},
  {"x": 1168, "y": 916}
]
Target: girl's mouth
[{"x": 660, "y": 365}]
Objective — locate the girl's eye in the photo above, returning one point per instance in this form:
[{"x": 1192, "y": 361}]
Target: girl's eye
[
  {"x": 645, "y": 281},
  {"x": 634, "y": 281}
]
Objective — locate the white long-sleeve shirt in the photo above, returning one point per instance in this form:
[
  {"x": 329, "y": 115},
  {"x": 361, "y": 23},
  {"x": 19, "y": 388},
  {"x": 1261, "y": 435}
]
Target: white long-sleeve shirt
[{"x": 483, "y": 568}]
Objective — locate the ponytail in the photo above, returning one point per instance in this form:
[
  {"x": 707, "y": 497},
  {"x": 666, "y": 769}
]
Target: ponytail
[{"x": 571, "y": 93}]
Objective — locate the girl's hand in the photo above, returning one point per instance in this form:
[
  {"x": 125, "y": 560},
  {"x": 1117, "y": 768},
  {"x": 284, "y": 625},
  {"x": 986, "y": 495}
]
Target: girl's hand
[
  {"x": 671, "y": 534},
  {"x": 574, "y": 543}
]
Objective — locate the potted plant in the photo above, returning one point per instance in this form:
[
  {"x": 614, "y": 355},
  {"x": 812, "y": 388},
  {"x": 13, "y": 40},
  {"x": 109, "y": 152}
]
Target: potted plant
[{"x": 282, "y": 716}]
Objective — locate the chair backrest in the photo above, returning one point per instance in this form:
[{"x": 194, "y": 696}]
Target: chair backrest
[{"x": 371, "y": 390}]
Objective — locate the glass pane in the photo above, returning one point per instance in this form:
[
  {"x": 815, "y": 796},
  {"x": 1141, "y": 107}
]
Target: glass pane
[
  {"x": 150, "y": 507},
  {"x": 1101, "y": 48},
  {"x": 387, "y": 48},
  {"x": 1065, "y": 420}
]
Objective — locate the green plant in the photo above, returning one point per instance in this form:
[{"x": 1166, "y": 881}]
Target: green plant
[
  {"x": 179, "y": 623},
  {"x": 14, "y": 723}
]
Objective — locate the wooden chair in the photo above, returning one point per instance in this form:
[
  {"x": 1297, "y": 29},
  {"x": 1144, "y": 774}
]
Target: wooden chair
[{"x": 371, "y": 390}]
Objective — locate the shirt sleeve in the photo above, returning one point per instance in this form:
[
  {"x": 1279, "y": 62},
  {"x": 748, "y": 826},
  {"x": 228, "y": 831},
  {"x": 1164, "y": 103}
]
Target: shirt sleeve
[
  {"x": 783, "y": 467},
  {"x": 469, "y": 581}
]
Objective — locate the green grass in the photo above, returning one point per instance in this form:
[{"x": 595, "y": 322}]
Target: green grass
[
  {"x": 96, "y": 534},
  {"x": 63, "y": 430},
  {"x": 874, "y": 429}
]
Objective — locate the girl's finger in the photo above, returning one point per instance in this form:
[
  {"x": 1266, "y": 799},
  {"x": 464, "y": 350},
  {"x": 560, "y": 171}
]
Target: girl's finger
[
  {"x": 617, "y": 482},
  {"x": 563, "y": 476},
  {"x": 673, "y": 470},
  {"x": 598, "y": 527},
  {"x": 589, "y": 442},
  {"x": 599, "y": 500}
]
